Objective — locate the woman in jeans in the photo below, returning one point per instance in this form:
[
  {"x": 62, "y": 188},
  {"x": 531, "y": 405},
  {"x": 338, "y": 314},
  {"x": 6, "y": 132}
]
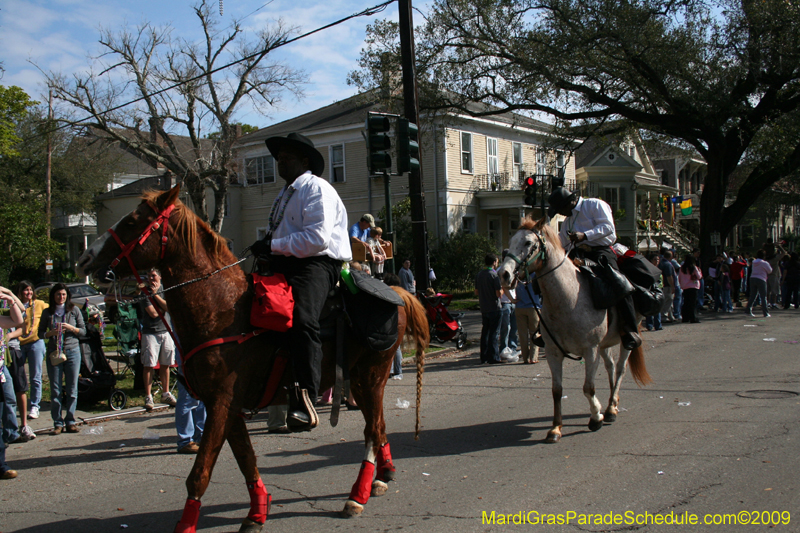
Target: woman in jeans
[
  {"x": 31, "y": 346},
  {"x": 758, "y": 283},
  {"x": 62, "y": 323}
]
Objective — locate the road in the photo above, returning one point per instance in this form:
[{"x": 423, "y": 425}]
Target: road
[{"x": 693, "y": 443}]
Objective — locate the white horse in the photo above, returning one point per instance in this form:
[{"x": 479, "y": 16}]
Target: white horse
[{"x": 570, "y": 320}]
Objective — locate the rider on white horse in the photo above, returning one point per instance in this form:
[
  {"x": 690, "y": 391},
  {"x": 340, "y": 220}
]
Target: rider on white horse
[{"x": 589, "y": 230}]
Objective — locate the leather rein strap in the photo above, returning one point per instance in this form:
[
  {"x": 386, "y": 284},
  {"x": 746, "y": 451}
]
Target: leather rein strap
[{"x": 162, "y": 222}]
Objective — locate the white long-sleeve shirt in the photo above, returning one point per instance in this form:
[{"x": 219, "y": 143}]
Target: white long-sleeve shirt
[
  {"x": 314, "y": 222},
  {"x": 593, "y": 218}
]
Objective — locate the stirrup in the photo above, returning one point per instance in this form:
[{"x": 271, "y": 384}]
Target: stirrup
[{"x": 302, "y": 416}]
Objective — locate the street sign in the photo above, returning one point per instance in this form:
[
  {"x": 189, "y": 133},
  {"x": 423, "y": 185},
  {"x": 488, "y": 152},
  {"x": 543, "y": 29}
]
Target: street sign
[
  {"x": 715, "y": 241},
  {"x": 48, "y": 264}
]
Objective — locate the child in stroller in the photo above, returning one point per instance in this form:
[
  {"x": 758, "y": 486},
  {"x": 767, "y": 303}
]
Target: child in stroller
[
  {"x": 444, "y": 326},
  {"x": 97, "y": 381}
]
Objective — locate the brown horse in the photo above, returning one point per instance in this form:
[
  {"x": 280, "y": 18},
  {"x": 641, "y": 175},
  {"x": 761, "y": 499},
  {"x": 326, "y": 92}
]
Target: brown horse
[{"x": 230, "y": 377}]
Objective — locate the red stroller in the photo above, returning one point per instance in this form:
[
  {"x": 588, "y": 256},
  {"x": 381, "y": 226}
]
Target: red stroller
[{"x": 444, "y": 326}]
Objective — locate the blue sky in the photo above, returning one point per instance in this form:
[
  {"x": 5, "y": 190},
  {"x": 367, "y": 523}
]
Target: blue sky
[{"x": 60, "y": 35}]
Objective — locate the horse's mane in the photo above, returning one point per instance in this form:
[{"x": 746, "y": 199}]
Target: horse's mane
[
  {"x": 186, "y": 226},
  {"x": 541, "y": 226}
]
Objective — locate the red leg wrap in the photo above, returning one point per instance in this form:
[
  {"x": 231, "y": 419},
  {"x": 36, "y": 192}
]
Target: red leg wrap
[
  {"x": 191, "y": 512},
  {"x": 384, "y": 462},
  {"x": 260, "y": 501},
  {"x": 363, "y": 485}
]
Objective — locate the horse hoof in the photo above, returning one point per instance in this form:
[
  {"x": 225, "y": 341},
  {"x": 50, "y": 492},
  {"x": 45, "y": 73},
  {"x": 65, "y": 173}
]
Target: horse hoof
[
  {"x": 352, "y": 509},
  {"x": 388, "y": 475},
  {"x": 609, "y": 418},
  {"x": 552, "y": 438},
  {"x": 379, "y": 488},
  {"x": 594, "y": 425},
  {"x": 248, "y": 526}
]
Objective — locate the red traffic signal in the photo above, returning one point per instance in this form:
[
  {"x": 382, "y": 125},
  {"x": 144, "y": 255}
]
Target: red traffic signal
[{"x": 529, "y": 181}]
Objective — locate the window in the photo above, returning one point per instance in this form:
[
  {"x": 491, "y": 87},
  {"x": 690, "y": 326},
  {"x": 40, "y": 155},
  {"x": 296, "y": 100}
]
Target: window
[
  {"x": 611, "y": 196},
  {"x": 513, "y": 226},
  {"x": 516, "y": 149},
  {"x": 491, "y": 156},
  {"x": 260, "y": 170},
  {"x": 468, "y": 225},
  {"x": 466, "y": 152},
  {"x": 336, "y": 153},
  {"x": 494, "y": 231},
  {"x": 541, "y": 162},
  {"x": 561, "y": 161}
]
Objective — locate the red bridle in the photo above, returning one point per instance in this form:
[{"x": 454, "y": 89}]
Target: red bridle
[{"x": 161, "y": 221}]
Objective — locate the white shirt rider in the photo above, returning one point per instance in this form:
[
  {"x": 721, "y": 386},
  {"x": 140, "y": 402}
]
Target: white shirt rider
[
  {"x": 314, "y": 221},
  {"x": 593, "y": 218}
]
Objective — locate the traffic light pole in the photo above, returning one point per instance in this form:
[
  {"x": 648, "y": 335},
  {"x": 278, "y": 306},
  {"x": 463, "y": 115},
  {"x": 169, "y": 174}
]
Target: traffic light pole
[
  {"x": 419, "y": 227},
  {"x": 387, "y": 191}
]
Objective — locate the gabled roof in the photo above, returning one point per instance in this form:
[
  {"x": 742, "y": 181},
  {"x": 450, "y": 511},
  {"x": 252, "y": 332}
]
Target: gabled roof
[{"x": 138, "y": 187}]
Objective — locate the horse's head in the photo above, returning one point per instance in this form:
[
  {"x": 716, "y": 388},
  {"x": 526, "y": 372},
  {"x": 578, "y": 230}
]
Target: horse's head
[
  {"x": 528, "y": 251},
  {"x": 134, "y": 241}
]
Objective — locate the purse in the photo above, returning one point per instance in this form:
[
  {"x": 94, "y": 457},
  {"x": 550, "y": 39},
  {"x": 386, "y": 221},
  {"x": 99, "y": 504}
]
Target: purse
[{"x": 57, "y": 357}]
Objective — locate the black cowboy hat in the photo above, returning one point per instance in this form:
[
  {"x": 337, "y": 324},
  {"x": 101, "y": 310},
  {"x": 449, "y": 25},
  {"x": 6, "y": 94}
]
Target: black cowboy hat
[
  {"x": 302, "y": 143},
  {"x": 558, "y": 199}
]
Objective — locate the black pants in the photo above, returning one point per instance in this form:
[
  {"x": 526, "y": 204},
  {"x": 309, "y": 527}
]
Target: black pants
[
  {"x": 625, "y": 308},
  {"x": 689, "y": 310},
  {"x": 311, "y": 279}
]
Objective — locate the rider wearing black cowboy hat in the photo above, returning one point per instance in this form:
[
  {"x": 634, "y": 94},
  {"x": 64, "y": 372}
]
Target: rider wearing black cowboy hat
[
  {"x": 307, "y": 241},
  {"x": 589, "y": 226}
]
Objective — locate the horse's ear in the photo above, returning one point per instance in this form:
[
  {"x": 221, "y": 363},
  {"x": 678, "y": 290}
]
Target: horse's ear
[
  {"x": 539, "y": 224},
  {"x": 170, "y": 197}
]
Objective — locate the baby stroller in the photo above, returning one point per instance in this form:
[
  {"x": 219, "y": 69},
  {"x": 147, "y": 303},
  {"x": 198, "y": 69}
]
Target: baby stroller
[
  {"x": 127, "y": 335},
  {"x": 444, "y": 326},
  {"x": 97, "y": 381}
]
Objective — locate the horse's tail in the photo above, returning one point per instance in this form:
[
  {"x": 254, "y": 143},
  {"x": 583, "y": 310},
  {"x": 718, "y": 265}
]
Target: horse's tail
[
  {"x": 637, "y": 367},
  {"x": 417, "y": 322}
]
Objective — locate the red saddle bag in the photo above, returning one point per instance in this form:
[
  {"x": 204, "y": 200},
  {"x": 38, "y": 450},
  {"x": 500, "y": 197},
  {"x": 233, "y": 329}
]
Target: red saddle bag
[{"x": 273, "y": 303}]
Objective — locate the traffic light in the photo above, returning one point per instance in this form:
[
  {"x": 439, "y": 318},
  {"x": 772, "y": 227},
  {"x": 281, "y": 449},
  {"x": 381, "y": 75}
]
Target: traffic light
[
  {"x": 407, "y": 146},
  {"x": 378, "y": 143},
  {"x": 530, "y": 191}
]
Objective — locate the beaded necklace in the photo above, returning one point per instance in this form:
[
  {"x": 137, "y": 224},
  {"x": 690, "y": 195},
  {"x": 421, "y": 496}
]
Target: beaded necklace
[
  {"x": 274, "y": 223},
  {"x": 3, "y": 346}
]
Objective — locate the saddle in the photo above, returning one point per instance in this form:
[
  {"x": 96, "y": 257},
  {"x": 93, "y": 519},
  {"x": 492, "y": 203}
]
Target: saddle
[{"x": 609, "y": 286}]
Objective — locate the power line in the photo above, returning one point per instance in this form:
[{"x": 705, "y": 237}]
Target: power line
[{"x": 365, "y": 13}]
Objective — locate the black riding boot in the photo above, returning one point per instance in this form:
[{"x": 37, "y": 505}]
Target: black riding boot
[
  {"x": 301, "y": 416},
  {"x": 629, "y": 328}
]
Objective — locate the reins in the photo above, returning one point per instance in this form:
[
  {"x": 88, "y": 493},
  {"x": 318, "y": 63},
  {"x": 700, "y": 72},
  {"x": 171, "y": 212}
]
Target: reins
[{"x": 162, "y": 222}]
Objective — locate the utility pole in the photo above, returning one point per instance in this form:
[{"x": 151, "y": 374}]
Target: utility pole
[
  {"x": 47, "y": 175},
  {"x": 419, "y": 226}
]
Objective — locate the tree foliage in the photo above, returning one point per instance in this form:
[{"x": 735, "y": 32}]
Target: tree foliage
[
  {"x": 458, "y": 259},
  {"x": 14, "y": 105},
  {"x": 23, "y": 244},
  {"x": 167, "y": 125},
  {"x": 721, "y": 76}
]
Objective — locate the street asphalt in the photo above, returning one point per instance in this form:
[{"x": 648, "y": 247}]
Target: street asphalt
[{"x": 715, "y": 438}]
